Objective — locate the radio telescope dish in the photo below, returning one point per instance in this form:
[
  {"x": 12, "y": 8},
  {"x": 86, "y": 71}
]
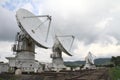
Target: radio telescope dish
[
  {"x": 65, "y": 43},
  {"x": 89, "y": 61},
  {"x": 62, "y": 44},
  {"x": 34, "y": 28}
]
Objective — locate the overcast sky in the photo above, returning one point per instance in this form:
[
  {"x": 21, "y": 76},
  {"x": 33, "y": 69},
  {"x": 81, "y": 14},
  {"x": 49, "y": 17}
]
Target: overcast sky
[{"x": 95, "y": 24}]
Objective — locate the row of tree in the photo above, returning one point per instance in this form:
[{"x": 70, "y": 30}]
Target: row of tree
[{"x": 115, "y": 60}]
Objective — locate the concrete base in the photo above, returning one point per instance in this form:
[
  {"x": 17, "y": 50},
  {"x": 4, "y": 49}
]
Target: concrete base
[
  {"x": 89, "y": 66},
  {"x": 18, "y": 72},
  {"x": 58, "y": 64}
]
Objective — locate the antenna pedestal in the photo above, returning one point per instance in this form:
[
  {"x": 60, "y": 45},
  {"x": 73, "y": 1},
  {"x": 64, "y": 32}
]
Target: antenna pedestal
[
  {"x": 24, "y": 59},
  {"x": 89, "y": 66},
  {"x": 57, "y": 60}
]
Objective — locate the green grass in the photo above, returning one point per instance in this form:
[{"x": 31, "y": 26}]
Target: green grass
[{"x": 115, "y": 73}]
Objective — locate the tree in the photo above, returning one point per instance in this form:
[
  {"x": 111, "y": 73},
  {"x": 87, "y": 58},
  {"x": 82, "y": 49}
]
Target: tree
[{"x": 115, "y": 60}]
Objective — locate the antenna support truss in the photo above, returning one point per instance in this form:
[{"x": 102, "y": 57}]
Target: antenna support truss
[{"x": 48, "y": 18}]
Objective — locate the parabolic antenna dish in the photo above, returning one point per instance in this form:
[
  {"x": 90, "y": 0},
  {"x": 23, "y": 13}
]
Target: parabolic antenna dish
[
  {"x": 90, "y": 57},
  {"x": 32, "y": 26},
  {"x": 65, "y": 43}
]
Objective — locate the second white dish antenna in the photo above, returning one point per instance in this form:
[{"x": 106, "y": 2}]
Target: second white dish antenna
[{"x": 62, "y": 44}]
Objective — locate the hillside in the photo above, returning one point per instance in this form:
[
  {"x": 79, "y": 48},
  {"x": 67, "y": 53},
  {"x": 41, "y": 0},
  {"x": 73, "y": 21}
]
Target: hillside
[{"x": 99, "y": 61}]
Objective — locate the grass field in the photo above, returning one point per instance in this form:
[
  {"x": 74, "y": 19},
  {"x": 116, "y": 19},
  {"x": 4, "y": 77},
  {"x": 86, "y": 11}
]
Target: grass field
[{"x": 115, "y": 73}]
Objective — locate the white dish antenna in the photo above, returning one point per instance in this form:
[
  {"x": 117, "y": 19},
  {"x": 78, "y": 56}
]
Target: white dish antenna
[
  {"x": 65, "y": 43},
  {"x": 89, "y": 61},
  {"x": 90, "y": 58},
  {"x": 34, "y": 27}
]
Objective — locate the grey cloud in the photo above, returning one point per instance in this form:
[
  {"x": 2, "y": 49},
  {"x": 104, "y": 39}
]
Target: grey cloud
[
  {"x": 83, "y": 25},
  {"x": 8, "y": 25}
]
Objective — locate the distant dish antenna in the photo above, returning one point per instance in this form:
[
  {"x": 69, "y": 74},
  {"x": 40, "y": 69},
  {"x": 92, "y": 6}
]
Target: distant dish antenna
[
  {"x": 89, "y": 61},
  {"x": 62, "y": 44},
  {"x": 34, "y": 27}
]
